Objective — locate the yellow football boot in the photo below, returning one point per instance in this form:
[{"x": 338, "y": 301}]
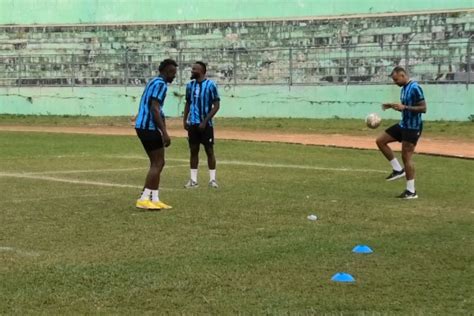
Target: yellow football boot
[
  {"x": 146, "y": 205},
  {"x": 162, "y": 205}
]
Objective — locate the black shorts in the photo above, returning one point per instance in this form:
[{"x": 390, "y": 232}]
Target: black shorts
[
  {"x": 196, "y": 136},
  {"x": 404, "y": 134},
  {"x": 151, "y": 140}
]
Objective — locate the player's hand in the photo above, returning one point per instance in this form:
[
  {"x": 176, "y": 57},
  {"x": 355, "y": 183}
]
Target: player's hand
[
  {"x": 166, "y": 139},
  {"x": 395, "y": 106},
  {"x": 398, "y": 107},
  {"x": 386, "y": 106},
  {"x": 202, "y": 126},
  {"x": 185, "y": 125}
]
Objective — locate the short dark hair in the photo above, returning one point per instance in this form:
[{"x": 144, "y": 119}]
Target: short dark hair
[
  {"x": 397, "y": 70},
  {"x": 165, "y": 63},
  {"x": 203, "y": 65}
]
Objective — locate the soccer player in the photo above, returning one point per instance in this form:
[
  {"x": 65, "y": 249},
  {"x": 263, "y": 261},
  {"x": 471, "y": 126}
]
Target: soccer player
[
  {"x": 202, "y": 103},
  {"x": 151, "y": 130},
  {"x": 407, "y": 131}
]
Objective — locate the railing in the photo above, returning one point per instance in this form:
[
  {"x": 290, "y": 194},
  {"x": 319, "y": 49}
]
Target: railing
[{"x": 428, "y": 62}]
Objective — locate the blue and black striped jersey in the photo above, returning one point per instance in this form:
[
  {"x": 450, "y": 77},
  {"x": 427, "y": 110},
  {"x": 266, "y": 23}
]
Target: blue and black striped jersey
[
  {"x": 200, "y": 96},
  {"x": 155, "y": 89},
  {"x": 411, "y": 95}
]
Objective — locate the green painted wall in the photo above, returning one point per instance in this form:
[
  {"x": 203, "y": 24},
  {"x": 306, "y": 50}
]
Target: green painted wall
[
  {"x": 102, "y": 11},
  {"x": 445, "y": 102}
]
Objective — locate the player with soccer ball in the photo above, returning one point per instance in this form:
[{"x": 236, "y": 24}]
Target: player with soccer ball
[{"x": 407, "y": 131}]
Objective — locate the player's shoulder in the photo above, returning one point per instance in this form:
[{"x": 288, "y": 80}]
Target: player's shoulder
[
  {"x": 156, "y": 81},
  {"x": 416, "y": 88},
  {"x": 162, "y": 83},
  {"x": 190, "y": 83},
  {"x": 212, "y": 82},
  {"x": 415, "y": 84},
  {"x": 151, "y": 81}
]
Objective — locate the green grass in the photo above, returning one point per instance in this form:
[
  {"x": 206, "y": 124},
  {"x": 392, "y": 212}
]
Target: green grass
[
  {"x": 64, "y": 120},
  {"x": 437, "y": 129},
  {"x": 440, "y": 129},
  {"x": 245, "y": 248}
]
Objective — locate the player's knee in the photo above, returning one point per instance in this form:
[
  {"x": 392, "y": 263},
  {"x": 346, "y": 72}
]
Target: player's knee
[
  {"x": 380, "y": 142},
  {"x": 406, "y": 157},
  {"x": 194, "y": 150},
  {"x": 157, "y": 162},
  {"x": 209, "y": 150},
  {"x": 157, "y": 165}
]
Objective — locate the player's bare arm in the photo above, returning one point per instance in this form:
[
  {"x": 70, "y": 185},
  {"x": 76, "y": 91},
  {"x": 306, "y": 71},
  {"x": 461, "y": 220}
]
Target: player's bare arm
[
  {"x": 215, "y": 107},
  {"x": 155, "y": 108},
  {"x": 185, "y": 116},
  {"x": 420, "y": 107}
]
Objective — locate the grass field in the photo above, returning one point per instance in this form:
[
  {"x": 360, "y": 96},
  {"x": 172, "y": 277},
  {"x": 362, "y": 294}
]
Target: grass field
[
  {"x": 437, "y": 129},
  {"x": 72, "y": 241}
]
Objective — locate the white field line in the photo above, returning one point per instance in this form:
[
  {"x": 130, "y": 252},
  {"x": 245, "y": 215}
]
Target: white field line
[
  {"x": 39, "y": 176},
  {"x": 82, "y": 171},
  {"x": 19, "y": 252},
  {"x": 48, "y": 198},
  {"x": 266, "y": 165},
  {"x": 96, "y": 170},
  {"x": 290, "y": 166},
  {"x": 46, "y": 178}
]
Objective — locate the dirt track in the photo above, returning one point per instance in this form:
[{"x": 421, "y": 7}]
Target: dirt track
[{"x": 443, "y": 147}]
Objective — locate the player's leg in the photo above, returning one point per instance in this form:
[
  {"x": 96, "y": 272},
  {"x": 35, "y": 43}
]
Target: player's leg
[
  {"x": 207, "y": 140},
  {"x": 391, "y": 134},
  {"x": 410, "y": 138},
  {"x": 211, "y": 158},
  {"x": 382, "y": 143},
  {"x": 194, "y": 144},
  {"x": 153, "y": 145},
  {"x": 211, "y": 163},
  {"x": 194, "y": 156},
  {"x": 157, "y": 163},
  {"x": 407, "y": 152}
]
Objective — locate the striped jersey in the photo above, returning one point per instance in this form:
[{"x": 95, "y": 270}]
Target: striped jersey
[
  {"x": 155, "y": 89},
  {"x": 200, "y": 96},
  {"x": 411, "y": 95}
]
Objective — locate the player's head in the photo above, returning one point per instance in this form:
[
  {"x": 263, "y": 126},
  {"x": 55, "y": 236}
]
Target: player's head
[
  {"x": 198, "y": 70},
  {"x": 168, "y": 69},
  {"x": 399, "y": 76}
]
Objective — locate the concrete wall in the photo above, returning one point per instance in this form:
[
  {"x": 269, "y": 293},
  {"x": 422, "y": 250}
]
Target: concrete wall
[
  {"x": 112, "y": 11},
  {"x": 445, "y": 102},
  {"x": 106, "y": 65}
]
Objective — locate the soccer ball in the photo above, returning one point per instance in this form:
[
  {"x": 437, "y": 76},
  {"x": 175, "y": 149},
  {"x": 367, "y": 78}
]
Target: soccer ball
[{"x": 373, "y": 120}]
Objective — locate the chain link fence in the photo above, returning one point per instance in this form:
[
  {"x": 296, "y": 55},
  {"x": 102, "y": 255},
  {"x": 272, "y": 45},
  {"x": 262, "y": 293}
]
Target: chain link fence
[{"x": 429, "y": 62}]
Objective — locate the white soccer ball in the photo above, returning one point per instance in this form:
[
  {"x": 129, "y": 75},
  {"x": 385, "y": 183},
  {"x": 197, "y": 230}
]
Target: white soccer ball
[{"x": 373, "y": 120}]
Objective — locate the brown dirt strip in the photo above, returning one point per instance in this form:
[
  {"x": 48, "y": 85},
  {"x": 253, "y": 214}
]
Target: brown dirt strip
[{"x": 441, "y": 147}]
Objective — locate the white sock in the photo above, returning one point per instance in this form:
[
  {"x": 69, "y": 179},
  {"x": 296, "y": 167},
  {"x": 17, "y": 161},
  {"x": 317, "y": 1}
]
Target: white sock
[
  {"x": 411, "y": 185},
  {"x": 395, "y": 164},
  {"x": 145, "y": 194},
  {"x": 154, "y": 196},
  {"x": 212, "y": 175},
  {"x": 194, "y": 175}
]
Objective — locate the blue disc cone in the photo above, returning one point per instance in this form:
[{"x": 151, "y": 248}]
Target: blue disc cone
[
  {"x": 342, "y": 277},
  {"x": 362, "y": 249}
]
